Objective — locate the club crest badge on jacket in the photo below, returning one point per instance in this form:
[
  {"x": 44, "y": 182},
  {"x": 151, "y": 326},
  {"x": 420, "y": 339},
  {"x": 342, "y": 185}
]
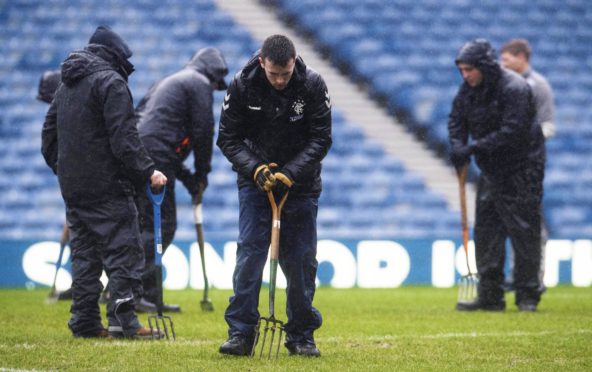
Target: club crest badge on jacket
[{"x": 298, "y": 108}]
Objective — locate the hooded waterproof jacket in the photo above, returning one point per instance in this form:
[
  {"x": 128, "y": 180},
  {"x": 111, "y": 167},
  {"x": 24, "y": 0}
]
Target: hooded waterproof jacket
[
  {"x": 175, "y": 117},
  {"x": 498, "y": 114},
  {"x": 48, "y": 84},
  {"x": 89, "y": 137}
]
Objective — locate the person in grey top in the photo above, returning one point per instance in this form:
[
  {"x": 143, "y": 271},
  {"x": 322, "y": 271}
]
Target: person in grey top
[{"x": 515, "y": 55}]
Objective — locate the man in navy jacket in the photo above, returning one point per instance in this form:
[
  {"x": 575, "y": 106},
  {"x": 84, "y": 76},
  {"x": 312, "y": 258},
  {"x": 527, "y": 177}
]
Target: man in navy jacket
[{"x": 275, "y": 129}]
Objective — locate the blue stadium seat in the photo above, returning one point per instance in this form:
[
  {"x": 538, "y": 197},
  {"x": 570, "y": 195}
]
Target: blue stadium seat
[
  {"x": 395, "y": 46},
  {"x": 405, "y": 50}
]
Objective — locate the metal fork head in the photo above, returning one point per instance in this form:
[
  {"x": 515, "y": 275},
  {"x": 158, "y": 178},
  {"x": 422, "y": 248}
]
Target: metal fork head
[
  {"x": 206, "y": 305},
  {"x": 268, "y": 337},
  {"x": 467, "y": 289},
  {"x": 161, "y": 327},
  {"x": 52, "y": 298}
]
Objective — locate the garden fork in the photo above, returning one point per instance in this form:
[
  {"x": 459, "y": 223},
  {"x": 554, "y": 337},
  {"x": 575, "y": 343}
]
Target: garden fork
[
  {"x": 467, "y": 286},
  {"x": 270, "y": 324},
  {"x": 159, "y": 324}
]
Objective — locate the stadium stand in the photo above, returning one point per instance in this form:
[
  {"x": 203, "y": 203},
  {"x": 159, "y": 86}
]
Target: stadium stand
[
  {"x": 367, "y": 193},
  {"x": 404, "y": 50}
]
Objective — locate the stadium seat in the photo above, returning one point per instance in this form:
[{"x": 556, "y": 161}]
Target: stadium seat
[{"x": 404, "y": 49}]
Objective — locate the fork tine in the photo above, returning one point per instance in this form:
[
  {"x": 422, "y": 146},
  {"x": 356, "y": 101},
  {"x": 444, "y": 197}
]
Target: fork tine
[
  {"x": 467, "y": 291},
  {"x": 161, "y": 327},
  {"x": 171, "y": 327},
  {"x": 271, "y": 335},
  {"x": 271, "y": 341},
  {"x": 265, "y": 330},
  {"x": 257, "y": 337},
  {"x": 277, "y": 352}
]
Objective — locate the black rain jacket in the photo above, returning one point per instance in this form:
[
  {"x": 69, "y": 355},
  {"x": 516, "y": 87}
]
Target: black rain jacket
[
  {"x": 498, "y": 115},
  {"x": 292, "y": 127},
  {"x": 48, "y": 84},
  {"x": 89, "y": 137},
  {"x": 176, "y": 117}
]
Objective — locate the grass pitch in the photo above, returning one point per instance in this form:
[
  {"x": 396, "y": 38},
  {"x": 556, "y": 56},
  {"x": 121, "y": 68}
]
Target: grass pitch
[{"x": 404, "y": 329}]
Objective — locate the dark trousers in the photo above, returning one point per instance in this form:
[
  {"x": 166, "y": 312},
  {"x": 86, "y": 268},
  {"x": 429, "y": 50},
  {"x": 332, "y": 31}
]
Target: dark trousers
[
  {"x": 297, "y": 259},
  {"x": 105, "y": 235},
  {"x": 509, "y": 209},
  {"x": 544, "y": 238},
  {"x": 168, "y": 212}
]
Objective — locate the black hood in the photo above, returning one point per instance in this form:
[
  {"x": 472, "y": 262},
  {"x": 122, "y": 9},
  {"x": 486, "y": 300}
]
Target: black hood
[
  {"x": 48, "y": 84},
  {"x": 105, "y": 36},
  {"x": 211, "y": 63},
  {"x": 480, "y": 53},
  {"x": 81, "y": 63},
  {"x": 114, "y": 43}
]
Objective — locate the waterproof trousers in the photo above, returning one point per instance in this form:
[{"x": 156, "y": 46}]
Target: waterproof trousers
[
  {"x": 105, "y": 235},
  {"x": 509, "y": 209}
]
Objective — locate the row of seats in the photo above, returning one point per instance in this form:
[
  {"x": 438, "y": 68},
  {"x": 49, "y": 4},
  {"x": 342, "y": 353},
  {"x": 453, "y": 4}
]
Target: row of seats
[
  {"x": 367, "y": 193},
  {"x": 404, "y": 50}
]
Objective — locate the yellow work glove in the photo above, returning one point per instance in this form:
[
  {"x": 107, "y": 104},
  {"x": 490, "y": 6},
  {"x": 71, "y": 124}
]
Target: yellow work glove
[
  {"x": 282, "y": 185},
  {"x": 264, "y": 179}
]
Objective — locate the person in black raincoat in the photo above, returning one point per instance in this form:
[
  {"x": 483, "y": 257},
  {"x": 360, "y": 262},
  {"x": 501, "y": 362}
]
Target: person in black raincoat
[
  {"x": 275, "y": 129},
  {"x": 494, "y": 107},
  {"x": 48, "y": 84},
  {"x": 90, "y": 141},
  {"x": 175, "y": 118}
]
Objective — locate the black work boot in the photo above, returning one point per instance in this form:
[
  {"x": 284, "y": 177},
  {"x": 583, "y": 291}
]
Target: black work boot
[
  {"x": 530, "y": 307},
  {"x": 477, "y": 305},
  {"x": 237, "y": 345},
  {"x": 65, "y": 295},
  {"x": 100, "y": 333},
  {"x": 309, "y": 350},
  {"x": 171, "y": 308},
  {"x": 142, "y": 333},
  {"x": 145, "y": 306}
]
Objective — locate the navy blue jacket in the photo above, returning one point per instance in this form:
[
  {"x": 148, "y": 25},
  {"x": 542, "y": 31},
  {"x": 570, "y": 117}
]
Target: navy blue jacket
[{"x": 292, "y": 127}]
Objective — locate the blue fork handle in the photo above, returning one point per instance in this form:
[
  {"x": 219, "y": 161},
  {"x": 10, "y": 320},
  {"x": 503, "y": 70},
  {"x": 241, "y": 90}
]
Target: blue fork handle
[{"x": 156, "y": 200}]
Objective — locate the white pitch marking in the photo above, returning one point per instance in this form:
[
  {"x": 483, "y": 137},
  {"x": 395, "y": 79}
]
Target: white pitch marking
[{"x": 458, "y": 335}]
